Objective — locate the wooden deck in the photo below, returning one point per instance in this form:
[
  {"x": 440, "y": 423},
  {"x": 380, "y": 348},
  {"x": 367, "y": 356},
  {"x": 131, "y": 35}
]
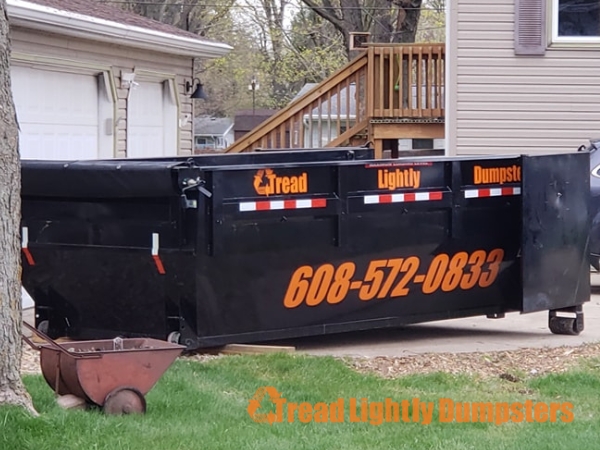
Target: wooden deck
[{"x": 389, "y": 92}]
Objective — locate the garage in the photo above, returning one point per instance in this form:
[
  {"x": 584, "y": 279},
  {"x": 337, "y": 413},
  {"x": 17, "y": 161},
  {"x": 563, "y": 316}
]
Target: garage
[
  {"x": 152, "y": 120},
  {"x": 58, "y": 113}
]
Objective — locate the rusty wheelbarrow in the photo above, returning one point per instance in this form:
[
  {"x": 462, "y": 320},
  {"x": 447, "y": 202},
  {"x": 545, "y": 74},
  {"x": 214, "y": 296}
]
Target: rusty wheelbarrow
[{"x": 113, "y": 374}]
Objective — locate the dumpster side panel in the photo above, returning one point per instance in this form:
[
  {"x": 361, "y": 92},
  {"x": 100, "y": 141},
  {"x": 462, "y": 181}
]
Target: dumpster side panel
[
  {"x": 96, "y": 293},
  {"x": 556, "y": 226},
  {"x": 391, "y": 243}
]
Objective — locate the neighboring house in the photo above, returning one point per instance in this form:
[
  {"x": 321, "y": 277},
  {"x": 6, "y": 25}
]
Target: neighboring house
[
  {"x": 523, "y": 75},
  {"x": 212, "y": 133},
  {"x": 246, "y": 120},
  {"x": 92, "y": 81}
]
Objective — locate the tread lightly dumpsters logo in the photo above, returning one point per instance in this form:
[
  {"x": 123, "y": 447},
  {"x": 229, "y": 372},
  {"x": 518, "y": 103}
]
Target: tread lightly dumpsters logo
[{"x": 267, "y": 182}]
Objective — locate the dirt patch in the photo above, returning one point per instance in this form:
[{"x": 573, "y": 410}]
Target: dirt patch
[
  {"x": 30, "y": 361},
  {"x": 510, "y": 365}
]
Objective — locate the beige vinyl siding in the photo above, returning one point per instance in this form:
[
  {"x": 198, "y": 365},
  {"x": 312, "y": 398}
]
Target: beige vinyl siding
[
  {"x": 502, "y": 103},
  {"x": 43, "y": 46}
]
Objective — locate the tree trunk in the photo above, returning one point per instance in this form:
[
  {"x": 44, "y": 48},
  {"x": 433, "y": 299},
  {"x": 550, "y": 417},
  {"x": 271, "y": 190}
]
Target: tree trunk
[
  {"x": 409, "y": 12},
  {"x": 12, "y": 390}
]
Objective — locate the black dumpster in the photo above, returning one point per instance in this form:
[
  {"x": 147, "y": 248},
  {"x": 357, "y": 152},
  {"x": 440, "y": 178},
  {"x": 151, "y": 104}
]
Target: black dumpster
[{"x": 210, "y": 251}]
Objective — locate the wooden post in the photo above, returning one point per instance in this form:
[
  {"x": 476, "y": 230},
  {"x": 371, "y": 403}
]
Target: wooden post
[{"x": 378, "y": 147}]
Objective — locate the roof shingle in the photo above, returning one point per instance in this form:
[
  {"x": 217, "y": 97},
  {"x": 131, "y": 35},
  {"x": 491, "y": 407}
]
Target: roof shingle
[{"x": 111, "y": 13}]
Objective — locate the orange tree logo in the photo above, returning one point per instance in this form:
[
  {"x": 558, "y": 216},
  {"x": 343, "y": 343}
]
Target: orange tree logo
[
  {"x": 257, "y": 399},
  {"x": 267, "y": 182},
  {"x": 261, "y": 181}
]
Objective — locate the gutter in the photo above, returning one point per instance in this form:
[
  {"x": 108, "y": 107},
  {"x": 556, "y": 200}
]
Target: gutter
[{"x": 44, "y": 18}]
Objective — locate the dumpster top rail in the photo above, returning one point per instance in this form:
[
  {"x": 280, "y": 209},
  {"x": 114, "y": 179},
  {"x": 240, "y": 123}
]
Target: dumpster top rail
[{"x": 159, "y": 177}]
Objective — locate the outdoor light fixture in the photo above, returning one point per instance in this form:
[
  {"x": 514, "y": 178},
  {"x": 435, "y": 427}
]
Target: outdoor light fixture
[
  {"x": 253, "y": 86},
  {"x": 198, "y": 92}
]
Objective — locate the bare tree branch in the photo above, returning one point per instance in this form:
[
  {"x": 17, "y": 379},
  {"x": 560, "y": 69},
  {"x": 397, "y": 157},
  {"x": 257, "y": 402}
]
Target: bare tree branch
[
  {"x": 386, "y": 20},
  {"x": 327, "y": 14}
]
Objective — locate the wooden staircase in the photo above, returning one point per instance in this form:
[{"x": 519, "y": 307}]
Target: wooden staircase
[{"x": 387, "y": 93}]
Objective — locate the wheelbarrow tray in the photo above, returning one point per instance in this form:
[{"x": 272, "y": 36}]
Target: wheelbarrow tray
[{"x": 93, "y": 369}]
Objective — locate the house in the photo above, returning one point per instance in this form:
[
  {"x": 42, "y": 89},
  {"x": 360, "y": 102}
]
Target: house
[
  {"x": 516, "y": 76},
  {"x": 93, "y": 81},
  {"x": 212, "y": 133},
  {"x": 522, "y": 75},
  {"x": 247, "y": 119}
]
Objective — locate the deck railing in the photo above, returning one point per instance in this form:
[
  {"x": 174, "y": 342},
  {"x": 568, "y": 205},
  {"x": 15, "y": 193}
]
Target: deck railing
[{"x": 407, "y": 81}]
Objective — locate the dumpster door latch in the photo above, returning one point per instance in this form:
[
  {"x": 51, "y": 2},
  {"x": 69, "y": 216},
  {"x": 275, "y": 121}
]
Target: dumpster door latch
[{"x": 191, "y": 183}]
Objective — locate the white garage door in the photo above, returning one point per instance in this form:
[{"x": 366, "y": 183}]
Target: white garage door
[
  {"x": 152, "y": 121},
  {"x": 57, "y": 113}
]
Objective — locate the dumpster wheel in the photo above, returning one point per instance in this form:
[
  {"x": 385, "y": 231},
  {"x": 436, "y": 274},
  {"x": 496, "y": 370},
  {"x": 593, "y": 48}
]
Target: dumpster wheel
[
  {"x": 124, "y": 400},
  {"x": 44, "y": 326},
  {"x": 563, "y": 325},
  {"x": 174, "y": 337}
]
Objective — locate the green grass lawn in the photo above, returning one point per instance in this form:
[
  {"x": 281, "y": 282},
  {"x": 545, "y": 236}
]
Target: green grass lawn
[{"x": 204, "y": 406}]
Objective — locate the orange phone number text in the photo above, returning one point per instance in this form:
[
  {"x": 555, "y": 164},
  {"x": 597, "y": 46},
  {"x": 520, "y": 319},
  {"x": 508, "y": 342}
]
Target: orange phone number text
[{"x": 390, "y": 278}]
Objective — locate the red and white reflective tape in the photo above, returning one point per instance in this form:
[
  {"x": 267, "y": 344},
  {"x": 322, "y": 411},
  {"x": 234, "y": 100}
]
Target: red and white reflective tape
[
  {"x": 274, "y": 205},
  {"x": 157, "y": 261},
  {"x": 24, "y": 245},
  {"x": 492, "y": 192},
  {"x": 403, "y": 198}
]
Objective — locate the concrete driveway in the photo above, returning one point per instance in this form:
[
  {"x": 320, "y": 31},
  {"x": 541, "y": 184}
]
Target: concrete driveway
[{"x": 477, "y": 334}]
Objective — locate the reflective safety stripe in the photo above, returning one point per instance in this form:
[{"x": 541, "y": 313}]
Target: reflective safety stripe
[
  {"x": 492, "y": 192},
  {"x": 274, "y": 205},
  {"x": 403, "y": 198},
  {"x": 24, "y": 246},
  {"x": 157, "y": 261}
]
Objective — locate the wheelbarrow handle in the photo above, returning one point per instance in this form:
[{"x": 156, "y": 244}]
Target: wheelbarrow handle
[
  {"x": 55, "y": 345},
  {"x": 32, "y": 344}
]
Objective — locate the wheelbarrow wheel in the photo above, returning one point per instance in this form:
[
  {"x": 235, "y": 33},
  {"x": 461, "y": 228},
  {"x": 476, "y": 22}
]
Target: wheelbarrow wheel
[{"x": 125, "y": 400}]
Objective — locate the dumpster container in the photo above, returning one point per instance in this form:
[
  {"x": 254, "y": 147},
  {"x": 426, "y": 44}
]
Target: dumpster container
[{"x": 206, "y": 254}]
